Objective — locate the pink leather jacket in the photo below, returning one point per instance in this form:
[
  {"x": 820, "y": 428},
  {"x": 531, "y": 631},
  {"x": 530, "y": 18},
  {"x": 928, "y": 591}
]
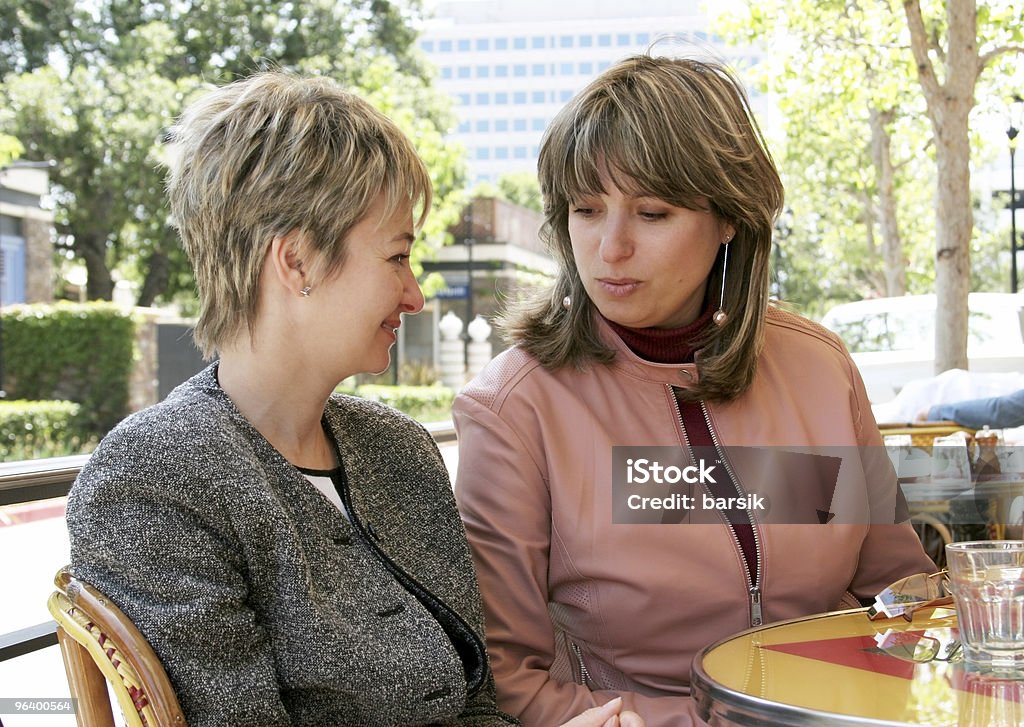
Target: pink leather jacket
[{"x": 579, "y": 609}]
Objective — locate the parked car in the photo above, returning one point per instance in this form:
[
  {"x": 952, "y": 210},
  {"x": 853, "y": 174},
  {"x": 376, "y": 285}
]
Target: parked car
[{"x": 893, "y": 339}]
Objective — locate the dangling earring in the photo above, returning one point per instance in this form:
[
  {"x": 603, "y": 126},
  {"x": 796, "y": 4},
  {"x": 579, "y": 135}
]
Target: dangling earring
[
  {"x": 720, "y": 317},
  {"x": 306, "y": 291},
  {"x": 567, "y": 302}
]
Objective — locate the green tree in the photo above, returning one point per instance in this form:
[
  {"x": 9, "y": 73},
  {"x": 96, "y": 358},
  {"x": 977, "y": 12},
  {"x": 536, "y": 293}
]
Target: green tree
[
  {"x": 863, "y": 155},
  {"x": 93, "y": 84},
  {"x": 521, "y": 188},
  {"x": 10, "y": 149},
  {"x": 952, "y": 46},
  {"x": 851, "y": 155}
]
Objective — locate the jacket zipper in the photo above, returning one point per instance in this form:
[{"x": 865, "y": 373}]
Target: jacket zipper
[
  {"x": 753, "y": 586},
  {"x": 585, "y": 679}
]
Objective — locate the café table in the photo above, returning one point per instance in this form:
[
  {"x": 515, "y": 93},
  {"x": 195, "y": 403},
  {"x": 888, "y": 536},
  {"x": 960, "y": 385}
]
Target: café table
[{"x": 842, "y": 669}]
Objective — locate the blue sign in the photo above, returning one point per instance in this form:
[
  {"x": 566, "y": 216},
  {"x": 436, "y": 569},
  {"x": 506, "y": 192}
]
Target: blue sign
[{"x": 453, "y": 292}]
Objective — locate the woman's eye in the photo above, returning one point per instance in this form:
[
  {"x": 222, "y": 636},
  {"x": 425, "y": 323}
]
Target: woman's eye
[
  {"x": 583, "y": 211},
  {"x": 400, "y": 258},
  {"x": 653, "y": 215}
]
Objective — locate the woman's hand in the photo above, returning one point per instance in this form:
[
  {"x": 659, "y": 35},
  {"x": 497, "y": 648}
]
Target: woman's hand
[{"x": 607, "y": 715}]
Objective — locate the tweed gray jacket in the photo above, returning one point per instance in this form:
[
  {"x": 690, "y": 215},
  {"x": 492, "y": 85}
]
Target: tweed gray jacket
[{"x": 265, "y": 603}]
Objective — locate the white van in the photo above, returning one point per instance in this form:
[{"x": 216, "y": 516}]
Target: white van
[{"x": 893, "y": 339}]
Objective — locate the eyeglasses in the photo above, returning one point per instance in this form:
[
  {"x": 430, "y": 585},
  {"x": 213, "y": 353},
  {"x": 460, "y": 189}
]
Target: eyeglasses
[
  {"x": 909, "y": 595},
  {"x": 918, "y": 648}
]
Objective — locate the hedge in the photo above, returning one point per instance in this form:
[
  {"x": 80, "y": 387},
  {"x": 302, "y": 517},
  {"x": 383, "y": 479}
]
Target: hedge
[
  {"x": 38, "y": 429},
  {"x": 80, "y": 352},
  {"x": 423, "y": 403}
]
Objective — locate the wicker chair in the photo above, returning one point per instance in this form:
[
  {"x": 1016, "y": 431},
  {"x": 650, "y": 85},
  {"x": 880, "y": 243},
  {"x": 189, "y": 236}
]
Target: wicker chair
[{"x": 100, "y": 644}]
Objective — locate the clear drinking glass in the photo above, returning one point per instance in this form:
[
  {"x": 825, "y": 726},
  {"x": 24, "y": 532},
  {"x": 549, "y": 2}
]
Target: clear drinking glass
[{"x": 986, "y": 579}]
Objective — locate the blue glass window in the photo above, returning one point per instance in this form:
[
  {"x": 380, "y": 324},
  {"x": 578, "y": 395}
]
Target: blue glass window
[
  {"x": 427, "y": 46},
  {"x": 565, "y": 41},
  {"x": 519, "y": 124},
  {"x": 538, "y": 41},
  {"x": 519, "y": 152},
  {"x": 519, "y": 43},
  {"x": 586, "y": 41},
  {"x": 643, "y": 38},
  {"x": 483, "y": 152},
  {"x": 463, "y": 71},
  {"x": 446, "y": 71},
  {"x": 538, "y": 124},
  {"x": 519, "y": 69},
  {"x": 586, "y": 68},
  {"x": 622, "y": 39},
  {"x": 564, "y": 96},
  {"x": 483, "y": 43},
  {"x": 538, "y": 97},
  {"x": 463, "y": 99},
  {"x": 501, "y": 44},
  {"x": 483, "y": 125},
  {"x": 464, "y": 127},
  {"x": 501, "y": 97},
  {"x": 539, "y": 69},
  {"x": 501, "y": 152},
  {"x": 445, "y": 46},
  {"x": 519, "y": 97},
  {"x": 464, "y": 44},
  {"x": 482, "y": 99},
  {"x": 566, "y": 69},
  {"x": 483, "y": 71},
  {"x": 501, "y": 71},
  {"x": 604, "y": 40},
  {"x": 501, "y": 124}
]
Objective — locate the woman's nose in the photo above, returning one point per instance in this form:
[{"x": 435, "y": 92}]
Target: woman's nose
[
  {"x": 412, "y": 296},
  {"x": 616, "y": 243}
]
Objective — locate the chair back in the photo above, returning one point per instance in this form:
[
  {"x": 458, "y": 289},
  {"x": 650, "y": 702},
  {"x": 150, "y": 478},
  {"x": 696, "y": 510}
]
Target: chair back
[{"x": 100, "y": 645}]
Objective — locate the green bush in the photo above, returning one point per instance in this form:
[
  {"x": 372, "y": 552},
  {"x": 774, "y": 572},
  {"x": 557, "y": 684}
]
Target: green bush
[
  {"x": 423, "y": 403},
  {"x": 37, "y": 429},
  {"x": 80, "y": 352}
]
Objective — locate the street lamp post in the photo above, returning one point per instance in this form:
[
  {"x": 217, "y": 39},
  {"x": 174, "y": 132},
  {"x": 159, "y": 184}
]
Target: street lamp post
[
  {"x": 468, "y": 240},
  {"x": 1011, "y": 133}
]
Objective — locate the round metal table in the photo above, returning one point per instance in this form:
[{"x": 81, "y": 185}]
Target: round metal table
[{"x": 842, "y": 669}]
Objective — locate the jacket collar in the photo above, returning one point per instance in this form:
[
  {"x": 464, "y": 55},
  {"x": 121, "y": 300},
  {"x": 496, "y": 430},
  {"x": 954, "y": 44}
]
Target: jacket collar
[{"x": 681, "y": 375}]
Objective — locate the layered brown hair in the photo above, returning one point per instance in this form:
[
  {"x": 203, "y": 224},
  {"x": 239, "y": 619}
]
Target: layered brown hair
[
  {"x": 680, "y": 130},
  {"x": 269, "y": 155}
]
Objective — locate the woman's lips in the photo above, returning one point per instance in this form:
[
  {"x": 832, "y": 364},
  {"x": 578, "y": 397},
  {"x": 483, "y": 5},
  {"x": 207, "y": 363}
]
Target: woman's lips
[
  {"x": 392, "y": 327},
  {"x": 618, "y": 287}
]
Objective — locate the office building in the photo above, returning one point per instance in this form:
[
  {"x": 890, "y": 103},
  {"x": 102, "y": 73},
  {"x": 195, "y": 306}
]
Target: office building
[{"x": 510, "y": 65}]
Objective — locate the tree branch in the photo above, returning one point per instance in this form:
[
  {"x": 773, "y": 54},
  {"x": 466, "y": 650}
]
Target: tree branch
[
  {"x": 987, "y": 58},
  {"x": 919, "y": 47}
]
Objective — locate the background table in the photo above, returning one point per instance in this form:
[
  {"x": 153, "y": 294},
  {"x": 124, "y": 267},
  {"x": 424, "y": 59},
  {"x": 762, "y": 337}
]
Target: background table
[{"x": 829, "y": 670}]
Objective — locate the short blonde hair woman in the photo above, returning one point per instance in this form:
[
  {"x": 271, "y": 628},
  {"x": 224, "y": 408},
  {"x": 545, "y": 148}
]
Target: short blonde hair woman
[
  {"x": 294, "y": 556},
  {"x": 660, "y": 199}
]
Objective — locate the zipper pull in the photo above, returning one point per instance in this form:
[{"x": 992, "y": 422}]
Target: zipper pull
[{"x": 755, "y": 606}]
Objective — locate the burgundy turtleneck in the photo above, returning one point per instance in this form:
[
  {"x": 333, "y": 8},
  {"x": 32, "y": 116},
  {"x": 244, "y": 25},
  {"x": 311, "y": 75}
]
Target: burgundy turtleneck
[{"x": 676, "y": 346}]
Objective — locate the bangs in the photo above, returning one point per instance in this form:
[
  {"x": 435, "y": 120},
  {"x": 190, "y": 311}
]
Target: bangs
[{"x": 604, "y": 138}]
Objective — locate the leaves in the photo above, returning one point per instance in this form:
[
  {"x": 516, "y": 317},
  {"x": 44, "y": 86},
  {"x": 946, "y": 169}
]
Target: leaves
[{"x": 94, "y": 84}]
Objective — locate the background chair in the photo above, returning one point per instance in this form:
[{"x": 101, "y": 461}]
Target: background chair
[{"x": 100, "y": 644}]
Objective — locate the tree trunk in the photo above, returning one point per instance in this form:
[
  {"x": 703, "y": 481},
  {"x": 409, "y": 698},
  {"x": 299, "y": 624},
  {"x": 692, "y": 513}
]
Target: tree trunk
[
  {"x": 92, "y": 247},
  {"x": 949, "y": 105},
  {"x": 157, "y": 275},
  {"x": 954, "y": 225},
  {"x": 892, "y": 243}
]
